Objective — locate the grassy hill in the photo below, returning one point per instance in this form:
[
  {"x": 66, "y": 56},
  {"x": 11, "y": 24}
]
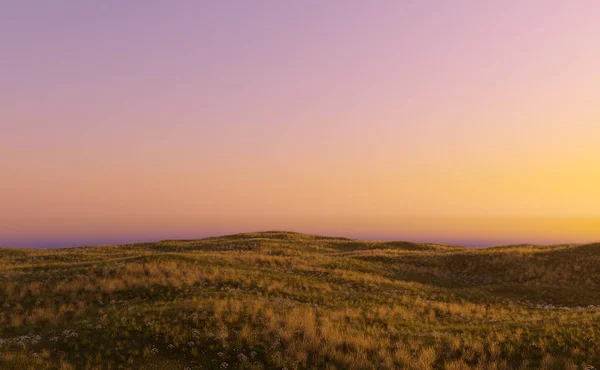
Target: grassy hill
[{"x": 281, "y": 300}]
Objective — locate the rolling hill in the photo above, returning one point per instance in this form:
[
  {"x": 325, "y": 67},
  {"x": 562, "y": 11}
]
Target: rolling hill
[{"x": 282, "y": 300}]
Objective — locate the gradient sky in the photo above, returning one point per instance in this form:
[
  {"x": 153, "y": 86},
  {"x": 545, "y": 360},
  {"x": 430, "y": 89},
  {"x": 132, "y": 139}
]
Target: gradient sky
[{"x": 468, "y": 122}]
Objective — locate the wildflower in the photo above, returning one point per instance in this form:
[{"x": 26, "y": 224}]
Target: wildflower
[{"x": 69, "y": 334}]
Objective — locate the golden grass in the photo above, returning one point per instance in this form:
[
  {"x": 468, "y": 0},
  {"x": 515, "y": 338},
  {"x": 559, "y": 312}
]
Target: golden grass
[{"x": 286, "y": 300}]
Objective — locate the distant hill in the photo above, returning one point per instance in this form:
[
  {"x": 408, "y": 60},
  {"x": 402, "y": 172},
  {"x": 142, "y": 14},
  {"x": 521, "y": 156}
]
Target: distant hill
[{"x": 275, "y": 300}]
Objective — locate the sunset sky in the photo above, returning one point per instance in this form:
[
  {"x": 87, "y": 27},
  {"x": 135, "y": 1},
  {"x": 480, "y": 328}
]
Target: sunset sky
[{"x": 465, "y": 122}]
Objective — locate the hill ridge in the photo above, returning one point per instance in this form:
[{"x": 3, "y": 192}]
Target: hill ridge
[{"x": 274, "y": 300}]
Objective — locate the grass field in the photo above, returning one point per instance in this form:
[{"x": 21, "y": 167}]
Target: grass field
[{"x": 279, "y": 300}]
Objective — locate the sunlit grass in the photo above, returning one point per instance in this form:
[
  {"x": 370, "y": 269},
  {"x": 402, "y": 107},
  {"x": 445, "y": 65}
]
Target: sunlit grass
[{"x": 286, "y": 300}]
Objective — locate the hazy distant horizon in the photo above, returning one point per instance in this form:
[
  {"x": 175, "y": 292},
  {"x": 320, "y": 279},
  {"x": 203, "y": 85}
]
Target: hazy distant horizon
[{"x": 96, "y": 241}]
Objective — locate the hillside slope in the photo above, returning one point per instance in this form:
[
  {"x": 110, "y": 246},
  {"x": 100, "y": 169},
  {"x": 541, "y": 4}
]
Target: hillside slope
[{"x": 277, "y": 300}]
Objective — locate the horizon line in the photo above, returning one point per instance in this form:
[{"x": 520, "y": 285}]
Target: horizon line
[{"x": 470, "y": 245}]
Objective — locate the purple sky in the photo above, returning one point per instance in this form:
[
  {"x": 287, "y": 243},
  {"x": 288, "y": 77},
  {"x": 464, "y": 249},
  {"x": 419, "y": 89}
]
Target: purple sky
[{"x": 470, "y": 122}]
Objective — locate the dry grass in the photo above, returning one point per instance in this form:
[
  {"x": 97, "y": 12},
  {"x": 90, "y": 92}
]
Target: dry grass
[{"x": 285, "y": 300}]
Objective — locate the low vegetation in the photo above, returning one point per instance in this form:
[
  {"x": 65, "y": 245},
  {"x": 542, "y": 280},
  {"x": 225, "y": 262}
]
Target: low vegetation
[{"x": 278, "y": 300}]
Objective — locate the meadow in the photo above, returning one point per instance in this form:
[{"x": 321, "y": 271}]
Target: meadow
[{"x": 281, "y": 300}]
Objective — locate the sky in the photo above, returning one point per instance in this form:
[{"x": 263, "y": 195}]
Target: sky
[{"x": 465, "y": 122}]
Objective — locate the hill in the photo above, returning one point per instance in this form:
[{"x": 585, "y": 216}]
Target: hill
[{"x": 281, "y": 300}]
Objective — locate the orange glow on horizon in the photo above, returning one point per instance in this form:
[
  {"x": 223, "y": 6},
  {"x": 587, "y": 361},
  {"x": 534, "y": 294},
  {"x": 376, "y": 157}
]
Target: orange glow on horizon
[{"x": 468, "y": 123}]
